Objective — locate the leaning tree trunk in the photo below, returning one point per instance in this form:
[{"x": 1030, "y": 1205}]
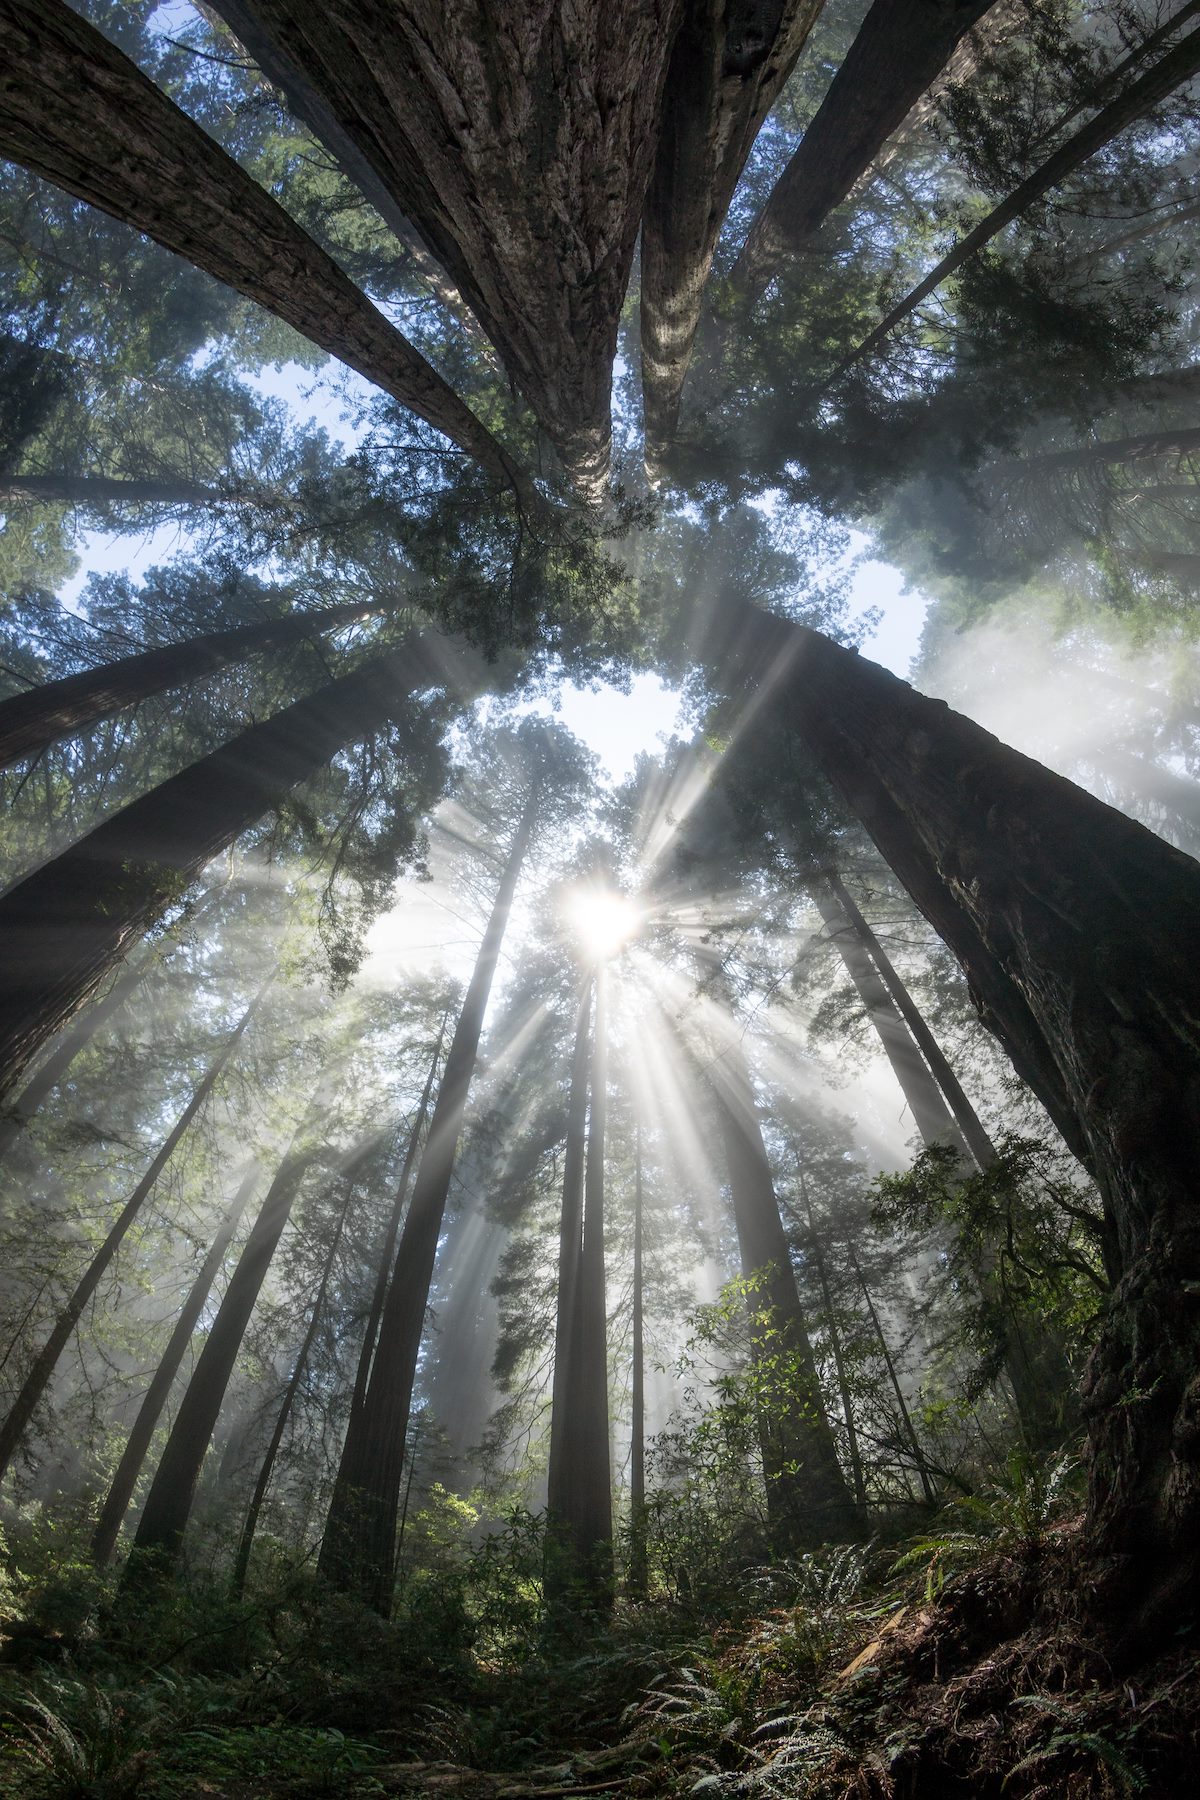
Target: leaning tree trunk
[
  {"x": 120, "y": 1493},
  {"x": 65, "y": 926},
  {"x": 1173, "y": 71},
  {"x": 358, "y": 1548},
  {"x": 387, "y": 1253},
  {"x": 728, "y": 66},
  {"x": 561, "y": 1476},
  {"x": 46, "y": 1361},
  {"x": 909, "y": 1431},
  {"x": 241, "y": 1564},
  {"x": 98, "y": 492},
  {"x": 169, "y": 1503},
  {"x": 516, "y": 139},
  {"x": 808, "y": 1501},
  {"x": 1076, "y": 928},
  {"x": 76, "y": 110},
  {"x": 901, "y": 47},
  {"x": 32, "y": 721}
]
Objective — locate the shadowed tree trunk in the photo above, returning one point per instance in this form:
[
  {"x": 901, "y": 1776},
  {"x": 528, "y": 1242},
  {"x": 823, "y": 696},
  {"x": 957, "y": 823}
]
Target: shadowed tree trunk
[
  {"x": 731, "y": 59},
  {"x": 98, "y": 491},
  {"x": 31, "y": 721},
  {"x": 169, "y": 1502},
  {"x": 387, "y": 1254},
  {"x": 45, "y": 1362},
  {"x": 561, "y": 1474},
  {"x": 638, "y": 1562},
  {"x": 853, "y": 1455},
  {"x": 1175, "y": 69},
  {"x": 1076, "y": 928},
  {"x": 808, "y": 1501},
  {"x": 359, "y": 1545},
  {"x": 516, "y": 141},
  {"x": 116, "y": 1504},
  {"x": 66, "y": 925},
  {"x": 76, "y": 110},
  {"x": 589, "y": 1518},
  {"x": 258, "y": 1497},
  {"x": 901, "y": 47}
]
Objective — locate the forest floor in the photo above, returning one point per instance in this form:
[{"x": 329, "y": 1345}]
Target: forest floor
[{"x": 986, "y": 1680}]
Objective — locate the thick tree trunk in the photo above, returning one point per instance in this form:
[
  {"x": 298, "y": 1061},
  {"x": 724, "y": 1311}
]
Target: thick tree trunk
[
  {"x": 169, "y": 1502},
  {"x": 1173, "y": 71},
  {"x": 900, "y": 49},
  {"x": 561, "y": 1475},
  {"x": 358, "y": 1549},
  {"x": 241, "y": 1564},
  {"x": 76, "y": 110},
  {"x": 731, "y": 59},
  {"x": 116, "y": 1504},
  {"x": 66, "y": 925},
  {"x": 387, "y": 1253},
  {"x": 589, "y": 1521},
  {"x": 1077, "y": 931},
  {"x": 808, "y": 1502},
  {"x": 46, "y": 1361},
  {"x": 101, "y": 491},
  {"x": 31, "y": 721},
  {"x": 519, "y": 142}
]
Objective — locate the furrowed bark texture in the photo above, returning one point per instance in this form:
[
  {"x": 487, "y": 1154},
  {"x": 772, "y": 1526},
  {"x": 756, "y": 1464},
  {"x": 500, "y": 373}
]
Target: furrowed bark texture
[
  {"x": 31, "y": 721},
  {"x": 66, "y": 925},
  {"x": 901, "y": 47},
  {"x": 731, "y": 59},
  {"x": 46, "y": 1361},
  {"x": 169, "y": 1502},
  {"x": 116, "y": 1503},
  {"x": 76, "y": 110},
  {"x": 1077, "y": 930},
  {"x": 519, "y": 140},
  {"x": 359, "y": 1546}
]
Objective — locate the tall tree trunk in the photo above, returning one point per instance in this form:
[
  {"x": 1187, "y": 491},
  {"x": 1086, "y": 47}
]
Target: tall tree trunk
[
  {"x": 387, "y": 1253},
  {"x": 589, "y": 1521},
  {"x": 46, "y": 1361},
  {"x": 808, "y": 1501},
  {"x": 66, "y": 925},
  {"x": 101, "y": 491},
  {"x": 1173, "y": 71},
  {"x": 901, "y": 47},
  {"x": 514, "y": 140},
  {"x": 358, "y": 1549},
  {"x": 1076, "y": 928},
  {"x": 120, "y": 1493},
  {"x": 254, "y": 1510},
  {"x": 31, "y": 721},
  {"x": 731, "y": 59},
  {"x": 169, "y": 1502},
  {"x": 76, "y": 110},
  {"x": 561, "y": 1472},
  {"x": 853, "y": 1455},
  {"x": 1175, "y": 440},
  {"x": 638, "y": 1564},
  {"x": 918, "y": 1454}
]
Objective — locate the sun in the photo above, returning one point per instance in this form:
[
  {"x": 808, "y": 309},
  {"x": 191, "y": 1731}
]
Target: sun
[{"x": 603, "y": 920}]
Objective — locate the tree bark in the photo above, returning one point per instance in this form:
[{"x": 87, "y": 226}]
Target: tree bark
[
  {"x": 75, "y": 110},
  {"x": 517, "y": 142},
  {"x": 638, "y": 1560},
  {"x": 901, "y": 47},
  {"x": 730, "y": 61},
  {"x": 808, "y": 1502},
  {"x": 561, "y": 1477},
  {"x": 120, "y": 1493},
  {"x": 387, "y": 1254},
  {"x": 66, "y": 925},
  {"x": 98, "y": 491},
  {"x": 1176, "y": 68},
  {"x": 46, "y": 1361},
  {"x": 1076, "y": 928},
  {"x": 30, "y": 722},
  {"x": 589, "y": 1521},
  {"x": 358, "y": 1549},
  {"x": 169, "y": 1502},
  {"x": 853, "y": 1455}
]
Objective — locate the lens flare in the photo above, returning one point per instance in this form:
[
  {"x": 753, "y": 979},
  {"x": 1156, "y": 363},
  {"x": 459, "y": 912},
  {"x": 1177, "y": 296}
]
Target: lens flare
[{"x": 603, "y": 921}]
